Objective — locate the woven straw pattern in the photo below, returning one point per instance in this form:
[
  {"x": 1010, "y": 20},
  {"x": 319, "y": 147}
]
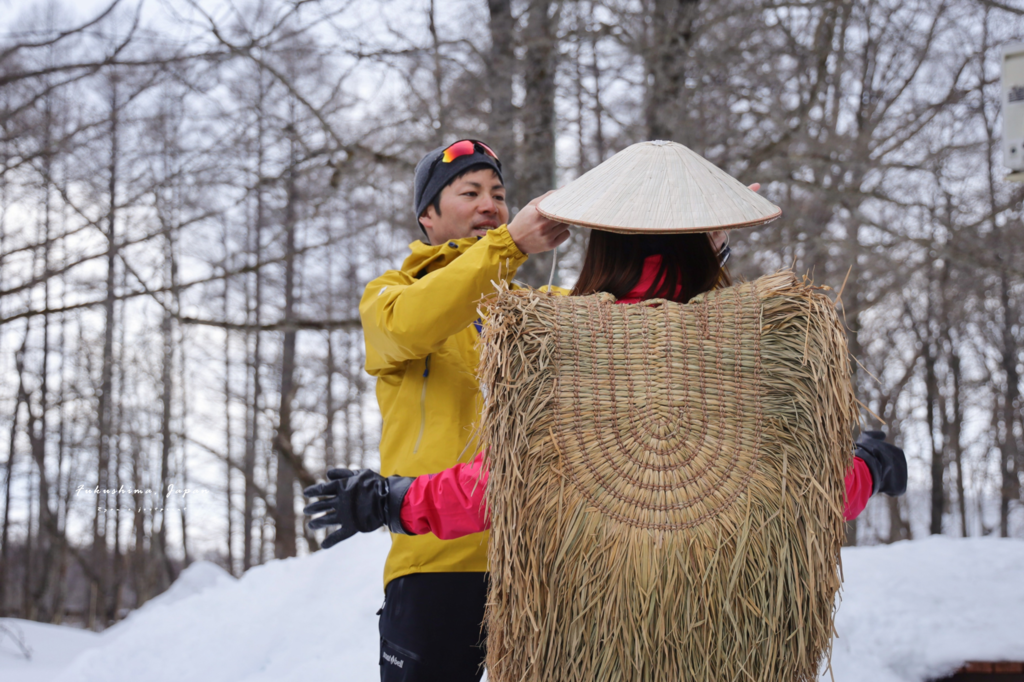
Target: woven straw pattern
[
  {"x": 666, "y": 484},
  {"x": 658, "y": 443}
]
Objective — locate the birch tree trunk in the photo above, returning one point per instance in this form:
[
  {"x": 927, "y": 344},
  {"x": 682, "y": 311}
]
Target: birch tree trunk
[
  {"x": 254, "y": 315},
  {"x": 284, "y": 521},
  {"x": 229, "y": 462},
  {"x": 99, "y": 532},
  {"x": 165, "y": 571},
  {"x": 937, "y": 467}
]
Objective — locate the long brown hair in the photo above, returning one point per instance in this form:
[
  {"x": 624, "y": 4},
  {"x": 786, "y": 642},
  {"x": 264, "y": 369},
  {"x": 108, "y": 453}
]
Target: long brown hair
[{"x": 614, "y": 263}]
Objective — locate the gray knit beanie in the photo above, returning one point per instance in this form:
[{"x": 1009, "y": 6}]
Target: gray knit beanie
[{"x": 433, "y": 174}]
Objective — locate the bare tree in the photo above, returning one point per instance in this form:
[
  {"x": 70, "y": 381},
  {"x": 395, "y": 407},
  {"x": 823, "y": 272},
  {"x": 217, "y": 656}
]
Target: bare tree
[
  {"x": 501, "y": 70},
  {"x": 288, "y": 461},
  {"x": 535, "y": 169}
]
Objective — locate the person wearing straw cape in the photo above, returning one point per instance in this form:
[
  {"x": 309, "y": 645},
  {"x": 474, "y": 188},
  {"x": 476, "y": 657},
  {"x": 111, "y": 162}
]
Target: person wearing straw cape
[{"x": 658, "y": 214}]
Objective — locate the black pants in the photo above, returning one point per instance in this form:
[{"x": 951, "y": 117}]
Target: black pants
[{"x": 431, "y": 628}]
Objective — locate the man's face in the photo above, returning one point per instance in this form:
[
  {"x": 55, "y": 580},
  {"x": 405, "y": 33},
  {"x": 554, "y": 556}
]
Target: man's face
[{"x": 470, "y": 206}]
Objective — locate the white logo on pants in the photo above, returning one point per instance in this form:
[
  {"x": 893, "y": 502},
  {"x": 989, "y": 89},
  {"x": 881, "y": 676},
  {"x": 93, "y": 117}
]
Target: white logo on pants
[{"x": 393, "y": 660}]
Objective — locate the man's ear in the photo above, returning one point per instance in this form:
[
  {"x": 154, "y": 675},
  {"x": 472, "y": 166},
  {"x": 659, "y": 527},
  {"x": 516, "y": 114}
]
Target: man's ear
[{"x": 427, "y": 219}]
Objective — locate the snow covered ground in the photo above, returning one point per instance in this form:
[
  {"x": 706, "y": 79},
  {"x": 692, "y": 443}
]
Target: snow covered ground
[
  {"x": 918, "y": 610},
  {"x": 910, "y": 612},
  {"x": 304, "y": 619},
  {"x": 51, "y": 647}
]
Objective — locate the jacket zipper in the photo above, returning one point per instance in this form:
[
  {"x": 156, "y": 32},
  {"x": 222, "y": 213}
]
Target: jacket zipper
[{"x": 423, "y": 404}]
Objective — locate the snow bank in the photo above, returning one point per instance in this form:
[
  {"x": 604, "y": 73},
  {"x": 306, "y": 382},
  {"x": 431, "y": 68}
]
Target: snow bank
[
  {"x": 299, "y": 619},
  {"x": 914, "y": 611},
  {"x": 910, "y": 612}
]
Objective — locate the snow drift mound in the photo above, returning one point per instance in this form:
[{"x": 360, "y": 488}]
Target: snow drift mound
[
  {"x": 299, "y": 619},
  {"x": 910, "y": 612}
]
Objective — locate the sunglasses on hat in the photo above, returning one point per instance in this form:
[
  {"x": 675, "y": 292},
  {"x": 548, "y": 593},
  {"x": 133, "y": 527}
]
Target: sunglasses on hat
[{"x": 460, "y": 149}]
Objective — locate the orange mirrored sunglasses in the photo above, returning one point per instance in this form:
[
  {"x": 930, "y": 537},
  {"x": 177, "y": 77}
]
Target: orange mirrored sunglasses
[{"x": 463, "y": 148}]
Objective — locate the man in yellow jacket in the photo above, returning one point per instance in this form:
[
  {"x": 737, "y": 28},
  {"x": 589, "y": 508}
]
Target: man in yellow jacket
[{"x": 421, "y": 328}]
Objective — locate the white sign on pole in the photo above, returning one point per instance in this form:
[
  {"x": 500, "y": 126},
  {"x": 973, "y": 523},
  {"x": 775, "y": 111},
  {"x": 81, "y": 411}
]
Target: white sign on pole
[{"x": 1013, "y": 110}]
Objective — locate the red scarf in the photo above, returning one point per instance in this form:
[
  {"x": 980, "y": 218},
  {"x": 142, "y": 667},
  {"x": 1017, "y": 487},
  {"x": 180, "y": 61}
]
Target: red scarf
[{"x": 646, "y": 285}]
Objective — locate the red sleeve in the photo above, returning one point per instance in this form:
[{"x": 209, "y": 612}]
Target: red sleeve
[
  {"x": 449, "y": 504},
  {"x": 858, "y": 489}
]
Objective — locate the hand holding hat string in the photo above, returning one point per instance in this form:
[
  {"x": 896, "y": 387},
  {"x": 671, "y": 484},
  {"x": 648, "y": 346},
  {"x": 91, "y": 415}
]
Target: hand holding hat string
[{"x": 533, "y": 233}]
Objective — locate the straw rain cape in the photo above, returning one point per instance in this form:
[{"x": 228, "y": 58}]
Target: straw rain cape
[{"x": 666, "y": 484}]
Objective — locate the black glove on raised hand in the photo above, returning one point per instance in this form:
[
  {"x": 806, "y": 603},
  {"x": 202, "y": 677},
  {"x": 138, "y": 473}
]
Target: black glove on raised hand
[
  {"x": 359, "y": 501},
  {"x": 887, "y": 463}
]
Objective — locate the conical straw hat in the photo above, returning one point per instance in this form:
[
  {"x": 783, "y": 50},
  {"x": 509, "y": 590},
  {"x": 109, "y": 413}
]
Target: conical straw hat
[{"x": 658, "y": 187}]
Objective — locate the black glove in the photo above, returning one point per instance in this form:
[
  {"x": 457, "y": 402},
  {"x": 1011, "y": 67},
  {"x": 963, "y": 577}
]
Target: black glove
[
  {"x": 360, "y": 501},
  {"x": 887, "y": 463}
]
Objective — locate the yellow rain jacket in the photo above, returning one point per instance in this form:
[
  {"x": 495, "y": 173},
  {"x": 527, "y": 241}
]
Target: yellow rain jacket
[{"x": 420, "y": 324}]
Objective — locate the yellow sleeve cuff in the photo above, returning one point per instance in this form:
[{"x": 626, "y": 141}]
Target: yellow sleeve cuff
[{"x": 502, "y": 236}]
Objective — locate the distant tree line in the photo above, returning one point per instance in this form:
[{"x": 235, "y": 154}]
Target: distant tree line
[{"x": 192, "y": 201}]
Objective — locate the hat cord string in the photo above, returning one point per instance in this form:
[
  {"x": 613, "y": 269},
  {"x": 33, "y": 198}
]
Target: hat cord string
[{"x": 554, "y": 262}]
